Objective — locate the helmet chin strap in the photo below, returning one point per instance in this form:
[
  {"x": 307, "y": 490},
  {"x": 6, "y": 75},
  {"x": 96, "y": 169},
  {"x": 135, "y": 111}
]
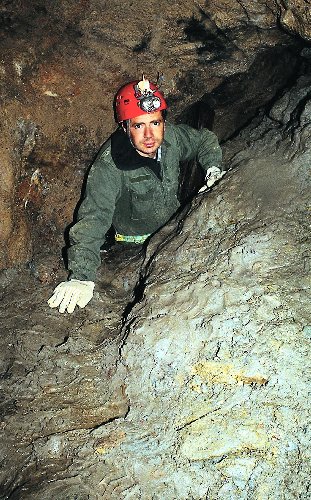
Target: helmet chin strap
[{"x": 126, "y": 128}]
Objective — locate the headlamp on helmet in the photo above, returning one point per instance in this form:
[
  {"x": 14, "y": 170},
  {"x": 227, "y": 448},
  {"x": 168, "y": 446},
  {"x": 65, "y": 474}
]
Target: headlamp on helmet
[{"x": 147, "y": 101}]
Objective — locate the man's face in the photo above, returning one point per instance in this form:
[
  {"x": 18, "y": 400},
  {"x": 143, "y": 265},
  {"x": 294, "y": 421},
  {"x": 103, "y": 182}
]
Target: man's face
[{"x": 147, "y": 133}]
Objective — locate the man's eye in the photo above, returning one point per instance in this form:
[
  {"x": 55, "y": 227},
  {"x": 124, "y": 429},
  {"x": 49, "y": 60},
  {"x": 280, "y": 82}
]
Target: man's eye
[
  {"x": 137, "y": 125},
  {"x": 156, "y": 123}
]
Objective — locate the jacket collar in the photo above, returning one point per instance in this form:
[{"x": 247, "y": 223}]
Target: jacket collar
[{"x": 125, "y": 155}]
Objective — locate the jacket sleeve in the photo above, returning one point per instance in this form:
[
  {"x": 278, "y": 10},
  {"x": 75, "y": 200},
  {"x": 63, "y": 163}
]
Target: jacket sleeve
[
  {"x": 95, "y": 216},
  {"x": 200, "y": 144}
]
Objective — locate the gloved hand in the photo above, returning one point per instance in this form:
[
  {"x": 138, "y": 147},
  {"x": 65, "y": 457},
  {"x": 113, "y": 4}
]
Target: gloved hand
[
  {"x": 68, "y": 294},
  {"x": 213, "y": 174}
]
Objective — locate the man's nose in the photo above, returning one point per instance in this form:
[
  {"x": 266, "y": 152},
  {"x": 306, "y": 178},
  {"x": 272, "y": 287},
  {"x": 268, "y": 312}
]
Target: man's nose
[{"x": 148, "y": 131}]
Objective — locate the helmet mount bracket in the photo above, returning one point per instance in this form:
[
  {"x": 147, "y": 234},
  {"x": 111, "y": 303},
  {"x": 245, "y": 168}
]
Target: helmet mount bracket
[{"x": 146, "y": 99}]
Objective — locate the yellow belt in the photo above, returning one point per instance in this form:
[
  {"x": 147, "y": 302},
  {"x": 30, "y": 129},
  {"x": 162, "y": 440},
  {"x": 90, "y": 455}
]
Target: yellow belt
[{"x": 131, "y": 239}]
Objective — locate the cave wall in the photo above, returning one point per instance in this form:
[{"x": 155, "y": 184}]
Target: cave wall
[
  {"x": 61, "y": 64},
  {"x": 196, "y": 385}
]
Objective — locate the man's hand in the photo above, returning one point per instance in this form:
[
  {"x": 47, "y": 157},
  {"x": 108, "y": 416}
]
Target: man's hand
[
  {"x": 213, "y": 174},
  {"x": 68, "y": 294}
]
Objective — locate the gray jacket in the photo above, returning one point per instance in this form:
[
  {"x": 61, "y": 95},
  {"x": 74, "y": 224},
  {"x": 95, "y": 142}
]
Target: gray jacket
[{"x": 133, "y": 193}]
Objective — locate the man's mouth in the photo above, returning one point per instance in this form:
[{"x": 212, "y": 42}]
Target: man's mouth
[{"x": 149, "y": 144}]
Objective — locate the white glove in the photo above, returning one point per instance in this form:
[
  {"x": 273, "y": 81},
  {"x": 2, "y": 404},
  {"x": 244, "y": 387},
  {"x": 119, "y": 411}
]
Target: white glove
[
  {"x": 213, "y": 174},
  {"x": 68, "y": 294}
]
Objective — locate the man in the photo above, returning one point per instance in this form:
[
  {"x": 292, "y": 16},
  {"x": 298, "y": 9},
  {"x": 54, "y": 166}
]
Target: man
[{"x": 132, "y": 185}]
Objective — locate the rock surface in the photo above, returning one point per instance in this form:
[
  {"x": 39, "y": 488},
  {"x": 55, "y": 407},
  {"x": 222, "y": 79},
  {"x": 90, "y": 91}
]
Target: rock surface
[
  {"x": 196, "y": 386},
  {"x": 296, "y": 17},
  {"x": 62, "y": 61},
  {"x": 187, "y": 376}
]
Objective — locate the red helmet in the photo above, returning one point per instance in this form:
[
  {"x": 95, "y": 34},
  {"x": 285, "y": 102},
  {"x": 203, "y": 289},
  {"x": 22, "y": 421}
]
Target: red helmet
[{"x": 137, "y": 98}]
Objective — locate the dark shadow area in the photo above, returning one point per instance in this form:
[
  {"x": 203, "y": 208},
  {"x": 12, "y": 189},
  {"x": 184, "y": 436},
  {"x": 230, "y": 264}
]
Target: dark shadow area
[
  {"x": 231, "y": 106},
  {"x": 238, "y": 99},
  {"x": 200, "y": 115},
  {"x": 214, "y": 45}
]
